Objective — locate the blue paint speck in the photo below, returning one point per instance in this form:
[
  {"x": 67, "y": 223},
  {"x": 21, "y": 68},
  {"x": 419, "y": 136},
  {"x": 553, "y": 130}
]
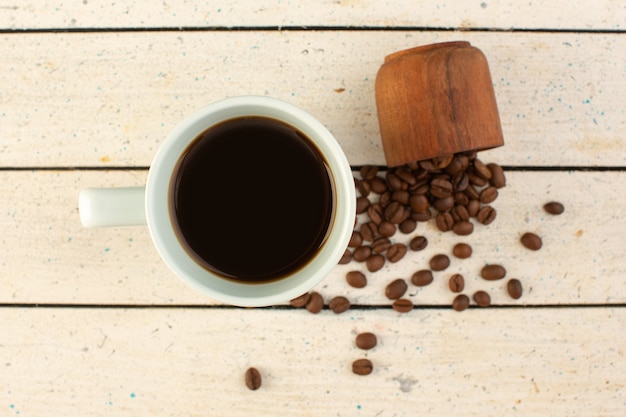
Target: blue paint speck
[
  {"x": 107, "y": 249},
  {"x": 358, "y": 406},
  {"x": 132, "y": 395}
]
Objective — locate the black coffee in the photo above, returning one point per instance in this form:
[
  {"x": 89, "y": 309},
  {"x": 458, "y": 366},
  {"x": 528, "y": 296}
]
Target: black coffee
[{"x": 252, "y": 199}]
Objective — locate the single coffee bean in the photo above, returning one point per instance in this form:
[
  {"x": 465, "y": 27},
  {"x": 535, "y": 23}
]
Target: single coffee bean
[
  {"x": 439, "y": 262},
  {"x": 442, "y": 162},
  {"x": 401, "y": 196},
  {"x": 253, "y": 379},
  {"x": 346, "y": 257},
  {"x": 405, "y": 175},
  {"x": 394, "y": 212},
  {"x": 471, "y": 192},
  {"x": 301, "y": 301},
  {"x": 408, "y": 226},
  {"x": 481, "y": 169},
  {"x": 418, "y": 243},
  {"x": 455, "y": 166},
  {"x": 364, "y": 187},
  {"x": 378, "y": 185},
  {"x": 369, "y": 231},
  {"x": 402, "y": 305},
  {"x": 362, "y": 367},
  {"x": 488, "y": 195},
  {"x": 444, "y": 204},
  {"x": 356, "y": 240},
  {"x": 422, "y": 278},
  {"x": 531, "y": 241},
  {"x": 362, "y": 204},
  {"x": 462, "y": 250},
  {"x": 396, "y": 289},
  {"x": 486, "y": 215},
  {"x": 368, "y": 172},
  {"x": 473, "y": 206},
  {"x": 375, "y": 262},
  {"x": 339, "y": 304},
  {"x": 463, "y": 228},
  {"x": 394, "y": 182},
  {"x": 482, "y": 299},
  {"x": 471, "y": 155},
  {"x": 420, "y": 188},
  {"x": 440, "y": 188},
  {"x": 460, "y": 182},
  {"x": 380, "y": 245},
  {"x": 396, "y": 252},
  {"x": 514, "y": 288},
  {"x": 421, "y": 216},
  {"x": 554, "y": 208},
  {"x": 375, "y": 212},
  {"x": 356, "y": 279},
  {"x": 385, "y": 199},
  {"x": 498, "y": 179},
  {"x": 460, "y": 302},
  {"x": 456, "y": 283},
  {"x": 461, "y": 199},
  {"x": 493, "y": 272},
  {"x": 386, "y": 229},
  {"x": 361, "y": 254},
  {"x": 444, "y": 221},
  {"x": 476, "y": 179},
  {"x": 427, "y": 165},
  {"x": 316, "y": 303},
  {"x": 366, "y": 340},
  {"x": 459, "y": 213}
]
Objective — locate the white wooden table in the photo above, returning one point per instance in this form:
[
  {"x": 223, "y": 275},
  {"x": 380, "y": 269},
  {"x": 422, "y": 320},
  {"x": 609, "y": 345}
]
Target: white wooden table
[{"x": 93, "y": 323}]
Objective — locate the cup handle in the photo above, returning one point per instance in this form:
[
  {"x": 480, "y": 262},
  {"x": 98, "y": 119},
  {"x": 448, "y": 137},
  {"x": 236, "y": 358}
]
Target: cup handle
[{"x": 109, "y": 207}]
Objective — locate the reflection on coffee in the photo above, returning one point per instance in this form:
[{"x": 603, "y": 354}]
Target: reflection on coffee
[{"x": 252, "y": 199}]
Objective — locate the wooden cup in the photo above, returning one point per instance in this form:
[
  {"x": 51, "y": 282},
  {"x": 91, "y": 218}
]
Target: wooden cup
[{"x": 436, "y": 100}]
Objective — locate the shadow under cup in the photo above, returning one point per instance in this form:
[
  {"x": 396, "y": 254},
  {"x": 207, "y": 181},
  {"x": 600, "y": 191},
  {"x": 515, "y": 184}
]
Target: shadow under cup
[{"x": 251, "y": 201}]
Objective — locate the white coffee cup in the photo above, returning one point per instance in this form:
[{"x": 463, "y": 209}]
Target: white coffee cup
[{"x": 100, "y": 207}]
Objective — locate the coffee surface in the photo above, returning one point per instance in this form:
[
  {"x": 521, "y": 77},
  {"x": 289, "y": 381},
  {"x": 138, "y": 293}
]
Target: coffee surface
[{"x": 252, "y": 199}]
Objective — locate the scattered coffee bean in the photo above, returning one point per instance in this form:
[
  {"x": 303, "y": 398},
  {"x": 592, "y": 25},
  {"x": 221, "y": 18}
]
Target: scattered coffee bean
[
  {"x": 378, "y": 185},
  {"x": 364, "y": 187},
  {"x": 482, "y": 299},
  {"x": 418, "y": 243},
  {"x": 439, "y": 262},
  {"x": 486, "y": 215},
  {"x": 346, "y": 257},
  {"x": 362, "y": 367},
  {"x": 356, "y": 279},
  {"x": 498, "y": 179},
  {"x": 387, "y": 229},
  {"x": 462, "y": 250},
  {"x": 443, "y": 205},
  {"x": 376, "y": 212},
  {"x": 419, "y": 203},
  {"x": 300, "y": 301},
  {"x": 396, "y": 289},
  {"x": 362, "y": 254},
  {"x": 408, "y": 226},
  {"x": 473, "y": 207},
  {"x": 369, "y": 231},
  {"x": 463, "y": 228},
  {"x": 253, "y": 379},
  {"x": 402, "y": 305},
  {"x": 460, "y": 213},
  {"x": 316, "y": 303},
  {"x": 380, "y": 245},
  {"x": 493, "y": 272},
  {"x": 395, "y": 212},
  {"x": 356, "y": 240},
  {"x": 481, "y": 169},
  {"x": 362, "y": 204},
  {"x": 456, "y": 283},
  {"x": 514, "y": 288},
  {"x": 460, "y": 302},
  {"x": 394, "y": 182},
  {"x": 339, "y": 304},
  {"x": 396, "y": 252},
  {"x": 401, "y": 196},
  {"x": 554, "y": 207},
  {"x": 531, "y": 241},
  {"x": 488, "y": 195},
  {"x": 421, "y": 216},
  {"x": 422, "y": 278},
  {"x": 375, "y": 262},
  {"x": 444, "y": 221},
  {"x": 366, "y": 340},
  {"x": 368, "y": 172}
]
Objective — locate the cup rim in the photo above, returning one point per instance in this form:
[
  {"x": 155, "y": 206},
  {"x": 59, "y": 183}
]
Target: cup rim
[{"x": 165, "y": 238}]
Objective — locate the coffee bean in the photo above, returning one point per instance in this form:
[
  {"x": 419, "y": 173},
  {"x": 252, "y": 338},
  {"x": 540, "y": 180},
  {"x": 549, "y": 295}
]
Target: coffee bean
[
  {"x": 395, "y": 212},
  {"x": 486, "y": 215},
  {"x": 422, "y": 216},
  {"x": 456, "y": 283},
  {"x": 362, "y": 204},
  {"x": 395, "y": 183},
  {"x": 396, "y": 252},
  {"x": 482, "y": 299},
  {"x": 339, "y": 304},
  {"x": 476, "y": 179},
  {"x": 460, "y": 302},
  {"x": 369, "y": 231},
  {"x": 401, "y": 196},
  {"x": 455, "y": 166},
  {"x": 380, "y": 245},
  {"x": 460, "y": 182},
  {"x": 356, "y": 279},
  {"x": 405, "y": 175},
  {"x": 498, "y": 179},
  {"x": 362, "y": 253},
  {"x": 301, "y": 301},
  {"x": 422, "y": 278},
  {"x": 460, "y": 214},
  {"x": 253, "y": 379},
  {"x": 439, "y": 262},
  {"x": 444, "y": 221},
  {"x": 481, "y": 169},
  {"x": 366, "y": 340},
  {"x": 316, "y": 303},
  {"x": 396, "y": 289},
  {"x": 427, "y": 165},
  {"x": 473, "y": 206},
  {"x": 346, "y": 257},
  {"x": 364, "y": 187},
  {"x": 461, "y": 199},
  {"x": 408, "y": 226},
  {"x": 440, "y": 188},
  {"x": 554, "y": 207},
  {"x": 375, "y": 262},
  {"x": 514, "y": 288},
  {"x": 418, "y": 243},
  {"x": 471, "y": 155},
  {"x": 462, "y": 250},
  {"x": 488, "y": 195},
  {"x": 402, "y": 305},
  {"x": 378, "y": 185},
  {"x": 362, "y": 367},
  {"x": 368, "y": 172},
  {"x": 442, "y": 162},
  {"x": 355, "y": 240},
  {"x": 385, "y": 199},
  {"x": 471, "y": 192},
  {"x": 493, "y": 272},
  {"x": 531, "y": 241},
  {"x": 419, "y": 189},
  {"x": 375, "y": 212},
  {"x": 387, "y": 229},
  {"x": 463, "y": 228},
  {"x": 443, "y": 204}
]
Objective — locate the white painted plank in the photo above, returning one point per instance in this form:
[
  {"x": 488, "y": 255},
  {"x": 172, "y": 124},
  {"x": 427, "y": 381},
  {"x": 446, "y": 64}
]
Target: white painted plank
[
  {"x": 578, "y": 14},
  {"x": 539, "y": 362},
  {"x": 110, "y": 98},
  {"x": 47, "y": 257}
]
